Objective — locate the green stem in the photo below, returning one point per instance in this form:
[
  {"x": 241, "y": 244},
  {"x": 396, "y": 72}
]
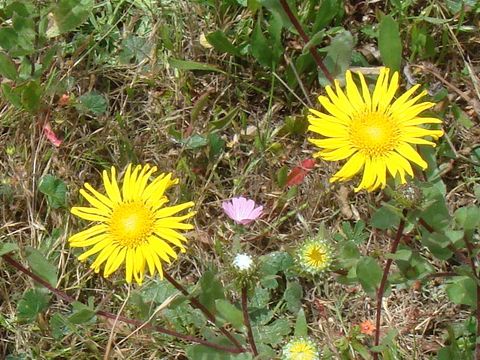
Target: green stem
[{"x": 246, "y": 320}]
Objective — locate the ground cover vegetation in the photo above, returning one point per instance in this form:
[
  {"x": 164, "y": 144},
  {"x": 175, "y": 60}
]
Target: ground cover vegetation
[{"x": 239, "y": 179}]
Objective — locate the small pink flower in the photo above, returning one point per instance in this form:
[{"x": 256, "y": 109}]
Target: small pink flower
[{"x": 242, "y": 210}]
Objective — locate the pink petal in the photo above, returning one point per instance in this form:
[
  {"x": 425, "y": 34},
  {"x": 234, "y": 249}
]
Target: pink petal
[
  {"x": 256, "y": 213},
  {"x": 229, "y": 210}
]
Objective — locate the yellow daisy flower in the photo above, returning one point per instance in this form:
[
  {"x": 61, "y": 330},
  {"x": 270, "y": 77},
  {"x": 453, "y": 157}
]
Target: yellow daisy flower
[
  {"x": 300, "y": 349},
  {"x": 375, "y": 131},
  {"x": 314, "y": 256},
  {"x": 132, "y": 223}
]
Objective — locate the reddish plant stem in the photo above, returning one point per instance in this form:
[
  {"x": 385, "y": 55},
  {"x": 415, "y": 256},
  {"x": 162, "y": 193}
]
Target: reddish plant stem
[
  {"x": 197, "y": 304},
  {"x": 383, "y": 283},
  {"x": 246, "y": 321},
  {"x": 306, "y": 39},
  {"x": 60, "y": 294}
]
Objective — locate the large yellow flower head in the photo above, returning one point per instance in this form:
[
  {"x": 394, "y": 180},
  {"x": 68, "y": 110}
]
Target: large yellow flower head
[
  {"x": 132, "y": 224},
  {"x": 300, "y": 349},
  {"x": 375, "y": 131}
]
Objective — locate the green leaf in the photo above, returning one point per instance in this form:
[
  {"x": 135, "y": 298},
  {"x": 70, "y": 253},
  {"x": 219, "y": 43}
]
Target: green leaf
[
  {"x": 201, "y": 352},
  {"x": 260, "y": 47},
  {"x": 301, "y": 327},
  {"x": 212, "y": 289},
  {"x": 389, "y": 43},
  {"x": 81, "y": 314},
  {"x": 468, "y": 217},
  {"x": 59, "y": 326},
  {"x": 192, "y": 65},
  {"x": 195, "y": 141},
  {"x": 5, "y": 248},
  {"x": 12, "y": 95},
  {"x": 272, "y": 334},
  {"x": 293, "y": 296},
  {"x": 41, "y": 266},
  {"x": 369, "y": 274},
  {"x": 220, "y": 42},
  {"x": 69, "y": 14},
  {"x": 216, "y": 143},
  {"x": 402, "y": 254},
  {"x": 463, "y": 291},
  {"x": 327, "y": 11},
  {"x": 385, "y": 218},
  {"x": 31, "y": 96},
  {"x": 55, "y": 190},
  {"x": 7, "y": 67},
  {"x": 229, "y": 313},
  {"x": 275, "y": 262},
  {"x": 282, "y": 175},
  {"x": 92, "y": 102},
  {"x": 438, "y": 244},
  {"x": 339, "y": 56},
  {"x": 32, "y": 303}
]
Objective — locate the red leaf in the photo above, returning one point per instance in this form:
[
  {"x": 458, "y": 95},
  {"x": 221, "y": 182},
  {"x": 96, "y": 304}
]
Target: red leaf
[
  {"x": 298, "y": 173},
  {"x": 50, "y": 135}
]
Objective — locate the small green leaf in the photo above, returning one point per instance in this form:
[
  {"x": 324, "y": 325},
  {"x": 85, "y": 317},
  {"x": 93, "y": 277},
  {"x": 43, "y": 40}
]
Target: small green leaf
[
  {"x": 463, "y": 291},
  {"x": 301, "y": 327},
  {"x": 402, "y": 254},
  {"x": 5, "y": 248},
  {"x": 202, "y": 352},
  {"x": 229, "y": 313},
  {"x": 260, "y": 48},
  {"x": 55, "y": 190},
  {"x": 220, "y": 42},
  {"x": 212, "y": 289},
  {"x": 32, "y": 303},
  {"x": 59, "y": 326},
  {"x": 69, "y": 14},
  {"x": 7, "y": 67},
  {"x": 389, "y": 43},
  {"x": 369, "y": 274},
  {"x": 195, "y": 141},
  {"x": 11, "y": 94},
  {"x": 31, "y": 96},
  {"x": 81, "y": 314},
  {"x": 468, "y": 217},
  {"x": 92, "y": 102},
  {"x": 272, "y": 334},
  {"x": 293, "y": 296},
  {"x": 385, "y": 218},
  {"x": 192, "y": 65},
  {"x": 282, "y": 175},
  {"x": 41, "y": 266}
]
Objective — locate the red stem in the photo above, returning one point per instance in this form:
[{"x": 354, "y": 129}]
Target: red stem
[
  {"x": 246, "y": 320},
  {"x": 383, "y": 283},
  {"x": 306, "y": 39},
  {"x": 60, "y": 294}
]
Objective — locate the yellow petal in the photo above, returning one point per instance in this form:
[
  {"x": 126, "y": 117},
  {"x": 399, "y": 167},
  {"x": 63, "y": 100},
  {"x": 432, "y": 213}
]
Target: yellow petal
[
  {"x": 112, "y": 266},
  {"x": 170, "y": 210},
  {"x": 409, "y": 153},
  {"x": 351, "y": 167},
  {"x": 111, "y": 187},
  {"x": 88, "y": 233}
]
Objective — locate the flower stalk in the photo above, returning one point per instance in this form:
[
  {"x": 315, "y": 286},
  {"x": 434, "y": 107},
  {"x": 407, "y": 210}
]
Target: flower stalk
[
  {"x": 246, "y": 321},
  {"x": 383, "y": 283}
]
